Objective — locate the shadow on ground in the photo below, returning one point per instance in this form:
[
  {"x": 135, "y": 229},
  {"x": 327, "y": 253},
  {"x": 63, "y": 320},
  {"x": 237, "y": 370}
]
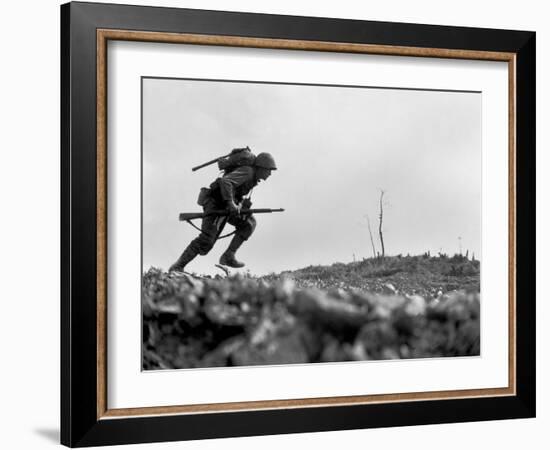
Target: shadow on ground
[{"x": 50, "y": 434}]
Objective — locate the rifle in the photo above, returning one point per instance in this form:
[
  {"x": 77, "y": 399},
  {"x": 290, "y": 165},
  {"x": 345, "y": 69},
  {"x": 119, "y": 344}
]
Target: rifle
[
  {"x": 215, "y": 160},
  {"x": 191, "y": 216}
]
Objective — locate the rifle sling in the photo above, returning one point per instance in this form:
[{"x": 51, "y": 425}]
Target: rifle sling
[{"x": 219, "y": 237}]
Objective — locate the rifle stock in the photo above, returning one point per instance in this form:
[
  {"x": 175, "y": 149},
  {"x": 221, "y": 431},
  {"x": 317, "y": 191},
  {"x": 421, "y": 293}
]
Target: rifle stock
[
  {"x": 212, "y": 161},
  {"x": 191, "y": 216},
  {"x": 208, "y": 163}
]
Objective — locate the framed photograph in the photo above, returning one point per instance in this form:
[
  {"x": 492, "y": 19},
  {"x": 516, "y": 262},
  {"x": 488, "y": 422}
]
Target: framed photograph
[{"x": 278, "y": 224}]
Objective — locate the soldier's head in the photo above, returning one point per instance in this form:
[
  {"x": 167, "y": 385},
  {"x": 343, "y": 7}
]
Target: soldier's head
[{"x": 265, "y": 164}]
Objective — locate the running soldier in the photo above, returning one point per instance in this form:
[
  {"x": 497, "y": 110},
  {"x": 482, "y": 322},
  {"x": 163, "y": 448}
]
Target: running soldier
[{"x": 228, "y": 192}]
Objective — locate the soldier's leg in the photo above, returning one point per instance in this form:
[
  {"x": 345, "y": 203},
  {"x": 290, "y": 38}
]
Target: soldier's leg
[
  {"x": 244, "y": 229},
  {"x": 202, "y": 244},
  {"x": 185, "y": 258},
  {"x": 210, "y": 230}
]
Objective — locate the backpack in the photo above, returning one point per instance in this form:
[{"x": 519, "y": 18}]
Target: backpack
[{"x": 237, "y": 158}]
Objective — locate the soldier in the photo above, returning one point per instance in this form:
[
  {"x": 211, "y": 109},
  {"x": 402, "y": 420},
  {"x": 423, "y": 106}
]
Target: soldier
[{"x": 228, "y": 192}]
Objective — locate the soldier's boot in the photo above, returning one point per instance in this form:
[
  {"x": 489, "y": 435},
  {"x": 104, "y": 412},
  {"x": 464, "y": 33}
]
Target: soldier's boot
[
  {"x": 228, "y": 257},
  {"x": 185, "y": 258}
]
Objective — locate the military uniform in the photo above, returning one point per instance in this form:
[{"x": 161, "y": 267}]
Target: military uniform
[
  {"x": 226, "y": 193},
  {"x": 231, "y": 187}
]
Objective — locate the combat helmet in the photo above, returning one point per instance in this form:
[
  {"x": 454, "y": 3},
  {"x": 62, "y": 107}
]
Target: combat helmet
[{"x": 266, "y": 161}]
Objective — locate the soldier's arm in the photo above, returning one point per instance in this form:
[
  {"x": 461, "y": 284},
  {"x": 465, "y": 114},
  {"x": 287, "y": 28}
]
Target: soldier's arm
[{"x": 229, "y": 182}]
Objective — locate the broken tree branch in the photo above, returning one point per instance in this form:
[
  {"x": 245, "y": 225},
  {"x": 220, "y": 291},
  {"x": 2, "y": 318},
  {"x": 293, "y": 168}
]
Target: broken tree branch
[{"x": 380, "y": 223}]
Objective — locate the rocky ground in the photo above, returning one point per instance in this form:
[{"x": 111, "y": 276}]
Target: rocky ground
[{"x": 398, "y": 307}]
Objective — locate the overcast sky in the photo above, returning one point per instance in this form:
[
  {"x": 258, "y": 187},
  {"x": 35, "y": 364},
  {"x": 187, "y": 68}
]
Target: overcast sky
[{"x": 335, "y": 147}]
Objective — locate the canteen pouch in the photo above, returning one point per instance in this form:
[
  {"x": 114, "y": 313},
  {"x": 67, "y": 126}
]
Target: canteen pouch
[{"x": 204, "y": 194}]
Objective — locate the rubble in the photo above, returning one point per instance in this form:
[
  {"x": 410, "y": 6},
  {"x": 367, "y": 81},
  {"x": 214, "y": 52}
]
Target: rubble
[{"x": 243, "y": 321}]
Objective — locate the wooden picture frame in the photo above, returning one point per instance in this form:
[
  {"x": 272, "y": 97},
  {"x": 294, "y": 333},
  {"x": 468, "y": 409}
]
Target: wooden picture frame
[{"x": 86, "y": 418}]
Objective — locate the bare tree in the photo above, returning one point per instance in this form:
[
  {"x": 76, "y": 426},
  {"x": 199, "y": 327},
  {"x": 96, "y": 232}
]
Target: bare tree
[
  {"x": 381, "y": 216},
  {"x": 371, "y": 239}
]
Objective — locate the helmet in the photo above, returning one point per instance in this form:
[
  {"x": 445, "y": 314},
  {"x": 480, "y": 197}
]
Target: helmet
[{"x": 266, "y": 161}]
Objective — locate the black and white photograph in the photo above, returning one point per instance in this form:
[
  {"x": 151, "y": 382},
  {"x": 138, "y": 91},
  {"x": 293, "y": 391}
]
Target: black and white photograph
[
  {"x": 292, "y": 223},
  {"x": 280, "y": 222}
]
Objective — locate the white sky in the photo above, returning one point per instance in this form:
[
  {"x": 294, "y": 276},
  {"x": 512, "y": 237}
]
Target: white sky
[{"x": 335, "y": 147}]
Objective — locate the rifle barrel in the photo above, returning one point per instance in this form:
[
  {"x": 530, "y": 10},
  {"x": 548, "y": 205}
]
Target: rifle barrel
[{"x": 191, "y": 216}]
